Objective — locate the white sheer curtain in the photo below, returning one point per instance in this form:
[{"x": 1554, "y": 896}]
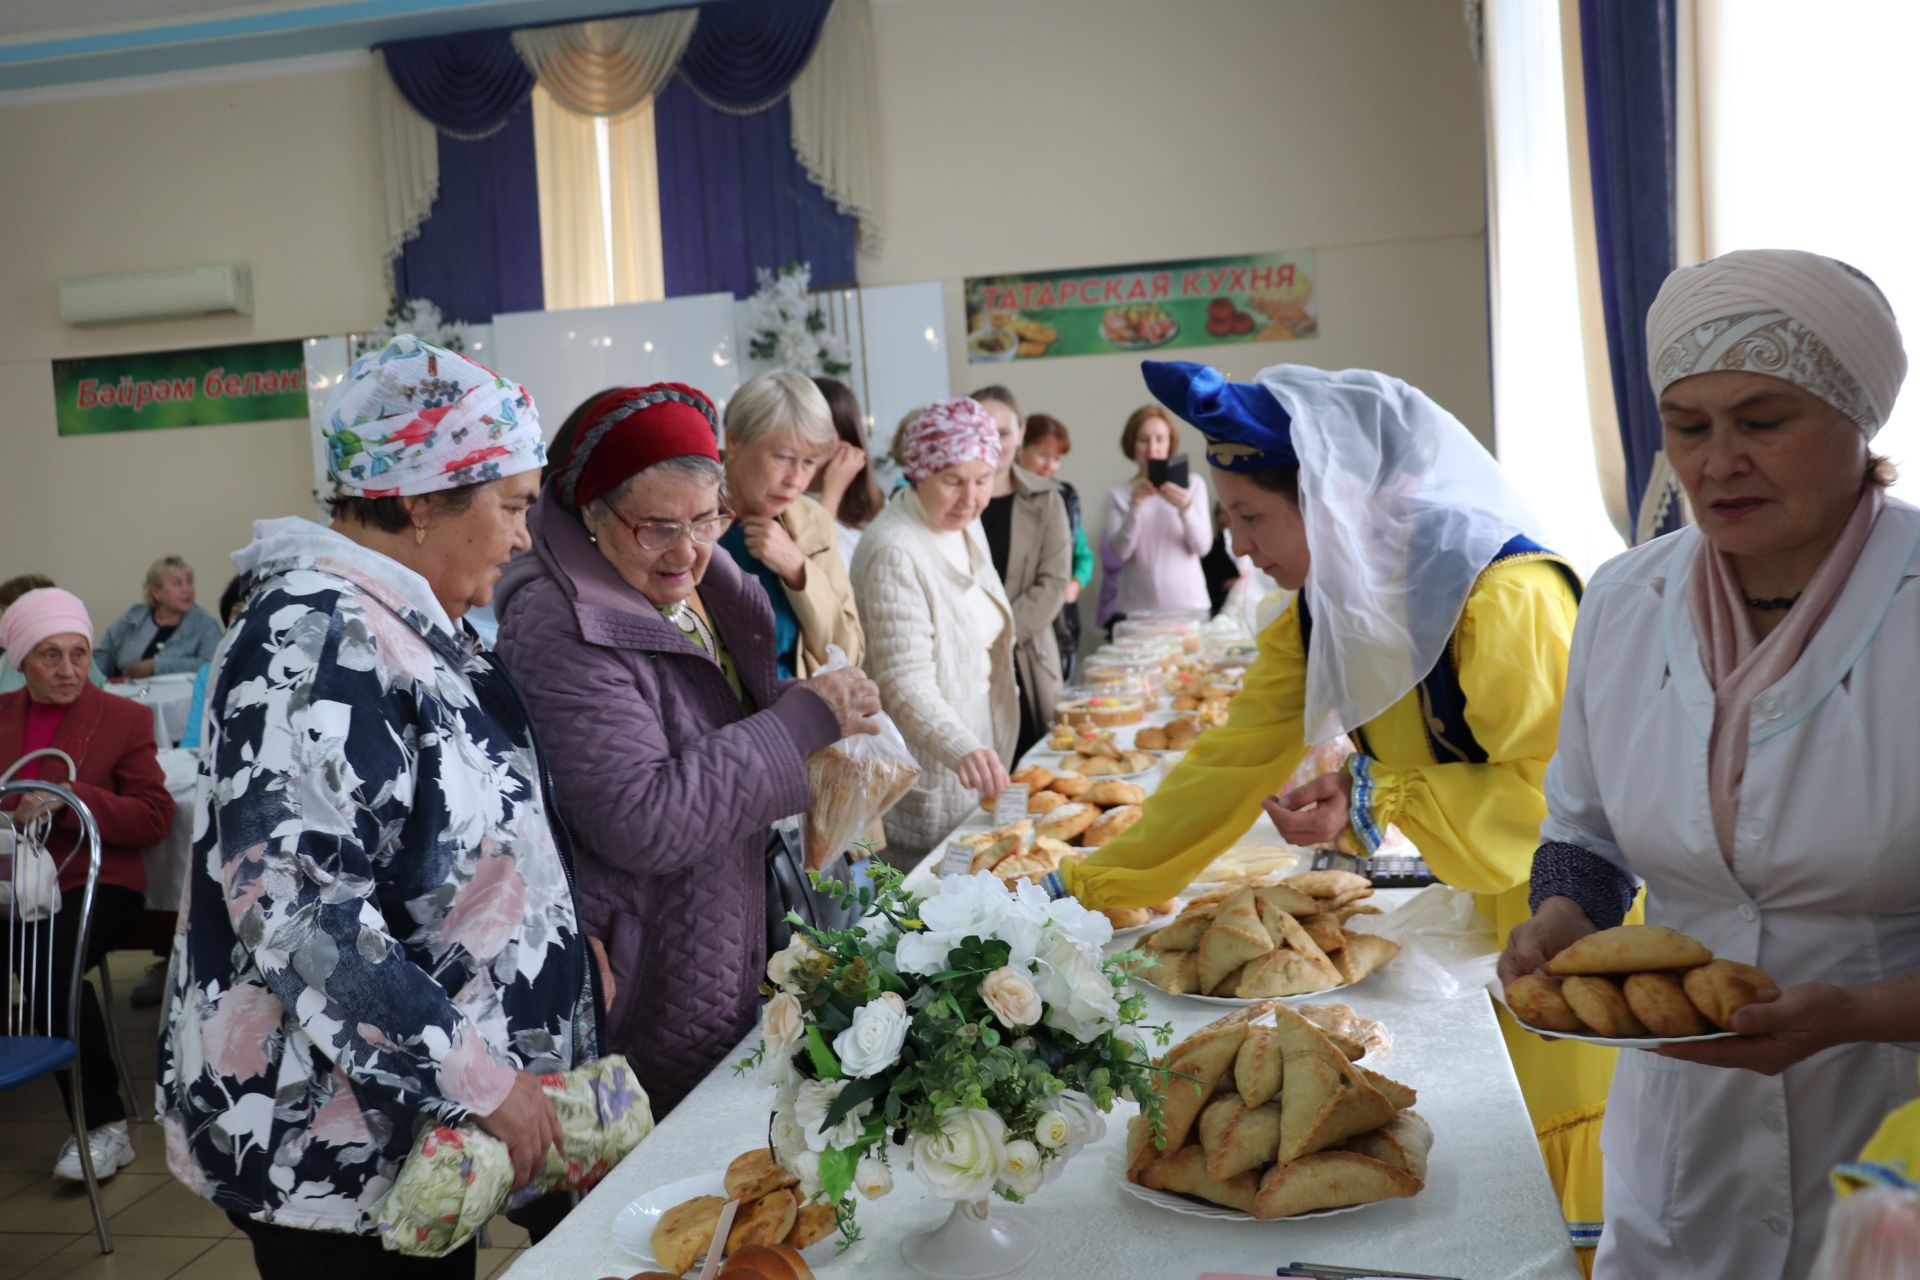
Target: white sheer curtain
[
  {"x": 599, "y": 206},
  {"x": 1544, "y": 425},
  {"x": 1810, "y": 119}
]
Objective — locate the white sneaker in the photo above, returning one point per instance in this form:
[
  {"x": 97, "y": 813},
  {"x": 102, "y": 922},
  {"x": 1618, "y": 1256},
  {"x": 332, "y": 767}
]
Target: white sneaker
[{"x": 111, "y": 1147}]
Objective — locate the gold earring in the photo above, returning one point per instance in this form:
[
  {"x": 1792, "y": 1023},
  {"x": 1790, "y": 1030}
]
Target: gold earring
[{"x": 419, "y": 534}]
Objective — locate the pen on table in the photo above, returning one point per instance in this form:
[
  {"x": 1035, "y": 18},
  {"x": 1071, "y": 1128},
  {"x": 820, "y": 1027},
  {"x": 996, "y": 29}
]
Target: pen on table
[{"x": 1328, "y": 1271}]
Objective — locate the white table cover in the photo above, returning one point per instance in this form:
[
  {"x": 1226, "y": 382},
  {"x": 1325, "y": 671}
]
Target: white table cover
[
  {"x": 167, "y": 861},
  {"x": 170, "y": 696},
  {"x": 1488, "y": 1211}
]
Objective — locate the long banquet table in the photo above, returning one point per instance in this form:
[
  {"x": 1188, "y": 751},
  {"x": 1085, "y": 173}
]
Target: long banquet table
[{"x": 1488, "y": 1211}]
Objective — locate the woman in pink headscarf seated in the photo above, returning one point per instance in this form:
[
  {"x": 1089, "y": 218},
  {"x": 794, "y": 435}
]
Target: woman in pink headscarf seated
[
  {"x": 939, "y": 627},
  {"x": 1741, "y": 723}
]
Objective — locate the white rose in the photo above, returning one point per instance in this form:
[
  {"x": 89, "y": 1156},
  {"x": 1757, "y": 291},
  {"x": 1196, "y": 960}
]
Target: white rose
[
  {"x": 962, "y": 1161},
  {"x": 806, "y": 1166},
  {"x": 810, "y": 1109},
  {"x": 789, "y": 1139},
  {"x": 923, "y": 953},
  {"x": 1087, "y": 1125},
  {"x": 1080, "y": 997},
  {"x": 872, "y": 1043},
  {"x": 1052, "y": 1130},
  {"x": 781, "y": 965},
  {"x": 782, "y": 1023},
  {"x": 778, "y": 1072},
  {"x": 1091, "y": 929},
  {"x": 1020, "y": 1167},
  {"x": 872, "y": 1178},
  {"x": 1010, "y": 994}
]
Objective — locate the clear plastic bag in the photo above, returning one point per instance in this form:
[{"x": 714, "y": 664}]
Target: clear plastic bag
[
  {"x": 852, "y": 784},
  {"x": 1447, "y": 949},
  {"x": 1871, "y": 1235}
]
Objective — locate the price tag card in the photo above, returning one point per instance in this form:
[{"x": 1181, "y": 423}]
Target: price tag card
[{"x": 1012, "y": 805}]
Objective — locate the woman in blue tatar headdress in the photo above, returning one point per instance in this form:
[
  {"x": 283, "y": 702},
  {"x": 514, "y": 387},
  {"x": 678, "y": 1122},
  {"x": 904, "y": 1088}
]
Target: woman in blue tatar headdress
[{"x": 1431, "y": 626}]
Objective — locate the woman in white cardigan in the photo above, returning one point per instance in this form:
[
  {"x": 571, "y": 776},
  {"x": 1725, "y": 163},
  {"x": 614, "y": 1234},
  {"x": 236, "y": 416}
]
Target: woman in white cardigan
[{"x": 939, "y": 628}]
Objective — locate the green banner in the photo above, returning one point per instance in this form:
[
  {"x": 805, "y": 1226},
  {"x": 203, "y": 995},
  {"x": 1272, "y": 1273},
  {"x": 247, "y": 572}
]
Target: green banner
[
  {"x": 204, "y": 387},
  {"x": 1262, "y": 297}
]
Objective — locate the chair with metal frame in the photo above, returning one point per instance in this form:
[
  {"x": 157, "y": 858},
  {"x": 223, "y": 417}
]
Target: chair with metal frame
[{"x": 28, "y": 1049}]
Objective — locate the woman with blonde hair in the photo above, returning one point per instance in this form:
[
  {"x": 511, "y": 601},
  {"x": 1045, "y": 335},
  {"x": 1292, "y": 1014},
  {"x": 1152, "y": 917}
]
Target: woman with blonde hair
[
  {"x": 1158, "y": 532},
  {"x": 165, "y": 634},
  {"x": 779, "y": 430}
]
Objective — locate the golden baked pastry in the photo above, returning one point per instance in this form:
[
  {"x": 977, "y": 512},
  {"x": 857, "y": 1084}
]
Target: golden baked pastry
[
  {"x": 1601, "y": 1005},
  {"x": 1329, "y": 1180},
  {"x": 1402, "y": 1143},
  {"x": 1166, "y": 908},
  {"x": 1658, "y": 1001},
  {"x": 1182, "y": 733},
  {"x": 811, "y": 1224},
  {"x": 1325, "y": 1099},
  {"x": 683, "y": 1233},
  {"x": 1037, "y": 777},
  {"x": 1068, "y": 821},
  {"x": 1364, "y": 953},
  {"x": 1185, "y": 1171},
  {"x": 1207, "y": 1057},
  {"x": 1228, "y": 985},
  {"x": 1536, "y": 1000},
  {"x": 1288, "y": 899},
  {"x": 1234, "y": 937},
  {"x": 1175, "y": 972},
  {"x": 1151, "y": 738},
  {"x": 763, "y": 1221},
  {"x": 755, "y": 1174},
  {"x": 766, "y": 1262},
  {"x": 1400, "y": 1095},
  {"x": 1325, "y": 932},
  {"x": 1724, "y": 987},
  {"x": 1071, "y": 785},
  {"x": 1282, "y": 972},
  {"x": 1112, "y": 793},
  {"x": 1185, "y": 932},
  {"x": 1238, "y": 1138},
  {"x": 1110, "y": 825},
  {"x": 1256, "y": 1068},
  {"x": 1127, "y": 917},
  {"x": 1041, "y": 802},
  {"x": 1328, "y": 884},
  {"x": 1629, "y": 948}
]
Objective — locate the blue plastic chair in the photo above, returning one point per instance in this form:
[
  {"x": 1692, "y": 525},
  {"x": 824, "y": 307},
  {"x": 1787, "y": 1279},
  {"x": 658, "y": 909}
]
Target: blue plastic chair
[{"x": 26, "y": 1052}]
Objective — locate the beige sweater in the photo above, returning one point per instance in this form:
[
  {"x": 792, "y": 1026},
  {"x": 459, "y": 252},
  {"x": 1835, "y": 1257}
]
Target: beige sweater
[{"x": 949, "y": 696}]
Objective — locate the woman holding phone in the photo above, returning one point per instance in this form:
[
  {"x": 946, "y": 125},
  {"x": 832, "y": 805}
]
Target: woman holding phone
[{"x": 1159, "y": 523}]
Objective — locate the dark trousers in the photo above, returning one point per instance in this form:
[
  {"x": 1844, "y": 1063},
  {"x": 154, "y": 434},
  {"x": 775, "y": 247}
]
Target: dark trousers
[
  {"x": 116, "y": 913},
  {"x": 290, "y": 1253}
]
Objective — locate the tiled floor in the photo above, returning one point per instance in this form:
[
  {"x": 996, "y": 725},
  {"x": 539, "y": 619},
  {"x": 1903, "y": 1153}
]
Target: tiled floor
[{"x": 160, "y": 1229}]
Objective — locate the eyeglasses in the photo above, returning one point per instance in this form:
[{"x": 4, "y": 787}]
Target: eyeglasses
[{"x": 662, "y": 535}]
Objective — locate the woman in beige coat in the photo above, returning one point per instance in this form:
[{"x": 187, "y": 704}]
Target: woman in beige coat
[
  {"x": 1031, "y": 540},
  {"x": 779, "y": 431},
  {"x": 940, "y": 632}
]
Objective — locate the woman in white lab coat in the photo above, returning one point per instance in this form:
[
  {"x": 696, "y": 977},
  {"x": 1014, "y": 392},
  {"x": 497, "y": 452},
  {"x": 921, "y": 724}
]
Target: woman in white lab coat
[{"x": 1741, "y": 733}]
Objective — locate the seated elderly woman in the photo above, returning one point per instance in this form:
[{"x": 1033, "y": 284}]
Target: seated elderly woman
[
  {"x": 779, "y": 429},
  {"x": 166, "y": 634},
  {"x": 379, "y": 932},
  {"x": 939, "y": 627},
  {"x": 642, "y": 645},
  {"x": 10, "y": 590},
  {"x": 116, "y": 774},
  {"x": 1741, "y": 721}
]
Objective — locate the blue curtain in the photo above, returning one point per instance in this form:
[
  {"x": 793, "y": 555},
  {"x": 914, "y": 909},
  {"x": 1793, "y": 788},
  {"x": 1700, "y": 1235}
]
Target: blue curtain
[
  {"x": 1627, "y": 51},
  {"x": 744, "y": 54},
  {"x": 466, "y": 84},
  {"x": 478, "y": 252},
  {"x": 733, "y": 196}
]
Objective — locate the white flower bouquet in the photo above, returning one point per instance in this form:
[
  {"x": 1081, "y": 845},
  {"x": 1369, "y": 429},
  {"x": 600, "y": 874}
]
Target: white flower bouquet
[
  {"x": 975, "y": 1033},
  {"x": 789, "y": 330}
]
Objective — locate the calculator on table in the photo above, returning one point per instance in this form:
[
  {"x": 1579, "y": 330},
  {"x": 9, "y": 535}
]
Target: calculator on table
[{"x": 1387, "y": 872}]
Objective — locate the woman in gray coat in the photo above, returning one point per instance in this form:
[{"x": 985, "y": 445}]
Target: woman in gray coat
[
  {"x": 646, "y": 658},
  {"x": 164, "y": 636}
]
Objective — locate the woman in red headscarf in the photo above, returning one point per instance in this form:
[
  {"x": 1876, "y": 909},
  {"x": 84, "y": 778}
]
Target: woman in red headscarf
[{"x": 646, "y": 657}]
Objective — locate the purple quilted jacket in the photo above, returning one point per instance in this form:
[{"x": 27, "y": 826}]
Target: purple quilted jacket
[{"x": 668, "y": 783}]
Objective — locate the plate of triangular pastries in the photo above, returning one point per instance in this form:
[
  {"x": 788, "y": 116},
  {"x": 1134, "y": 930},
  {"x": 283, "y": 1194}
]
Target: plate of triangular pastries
[
  {"x": 1277, "y": 937},
  {"x": 1266, "y": 1114}
]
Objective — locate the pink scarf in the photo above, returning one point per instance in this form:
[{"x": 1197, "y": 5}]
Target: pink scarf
[{"x": 1739, "y": 667}]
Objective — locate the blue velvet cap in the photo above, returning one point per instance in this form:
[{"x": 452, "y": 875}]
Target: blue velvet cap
[{"x": 1246, "y": 428}]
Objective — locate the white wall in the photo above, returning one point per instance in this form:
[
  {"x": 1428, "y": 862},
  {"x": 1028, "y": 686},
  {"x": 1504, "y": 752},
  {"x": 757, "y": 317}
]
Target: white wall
[
  {"x": 1017, "y": 135},
  {"x": 1025, "y": 135},
  {"x": 269, "y": 171}
]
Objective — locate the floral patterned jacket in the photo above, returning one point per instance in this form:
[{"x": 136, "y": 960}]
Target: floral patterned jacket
[{"x": 378, "y": 926}]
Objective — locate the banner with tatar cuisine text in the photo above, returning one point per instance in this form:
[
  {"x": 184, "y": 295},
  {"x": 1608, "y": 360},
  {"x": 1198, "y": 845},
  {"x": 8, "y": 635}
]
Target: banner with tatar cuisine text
[
  {"x": 202, "y": 387},
  {"x": 1264, "y": 297}
]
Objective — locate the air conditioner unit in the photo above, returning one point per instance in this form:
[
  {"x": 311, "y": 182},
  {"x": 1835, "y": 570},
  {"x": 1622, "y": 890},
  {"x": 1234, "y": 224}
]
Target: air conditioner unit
[{"x": 158, "y": 295}]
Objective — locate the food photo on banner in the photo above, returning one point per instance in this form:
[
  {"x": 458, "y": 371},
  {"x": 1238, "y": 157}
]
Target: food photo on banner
[
  {"x": 197, "y": 387},
  {"x": 1264, "y": 297}
]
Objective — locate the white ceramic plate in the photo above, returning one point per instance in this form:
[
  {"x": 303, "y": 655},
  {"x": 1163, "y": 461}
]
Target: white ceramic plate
[
  {"x": 1174, "y": 1202},
  {"x": 633, "y": 1227},
  {"x": 1611, "y": 1042},
  {"x": 1241, "y": 1002}
]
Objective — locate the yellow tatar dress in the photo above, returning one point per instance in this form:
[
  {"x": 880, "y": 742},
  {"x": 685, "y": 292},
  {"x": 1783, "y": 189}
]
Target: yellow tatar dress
[{"x": 1477, "y": 825}]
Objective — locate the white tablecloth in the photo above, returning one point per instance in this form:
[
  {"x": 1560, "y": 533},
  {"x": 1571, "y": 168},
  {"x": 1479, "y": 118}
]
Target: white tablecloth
[
  {"x": 167, "y": 861},
  {"x": 1488, "y": 1211},
  {"x": 171, "y": 697}
]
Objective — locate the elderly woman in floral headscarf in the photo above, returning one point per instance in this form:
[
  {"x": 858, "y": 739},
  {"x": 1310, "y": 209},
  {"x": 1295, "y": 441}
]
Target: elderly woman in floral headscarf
[
  {"x": 1742, "y": 717},
  {"x": 939, "y": 628},
  {"x": 380, "y": 931}
]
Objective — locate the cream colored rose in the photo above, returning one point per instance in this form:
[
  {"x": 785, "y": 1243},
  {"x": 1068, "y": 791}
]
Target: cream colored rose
[
  {"x": 872, "y": 1178},
  {"x": 1010, "y": 994},
  {"x": 782, "y": 1023},
  {"x": 1020, "y": 1167},
  {"x": 872, "y": 1043},
  {"x": 781, "y": 964},
  {"x": 962, "y": 1161},
  {"x": 1052, "y": 1130}
]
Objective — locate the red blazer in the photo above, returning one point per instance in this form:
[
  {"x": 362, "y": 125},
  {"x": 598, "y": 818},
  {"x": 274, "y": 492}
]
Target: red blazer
[{"x": 111, "y": 741}]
